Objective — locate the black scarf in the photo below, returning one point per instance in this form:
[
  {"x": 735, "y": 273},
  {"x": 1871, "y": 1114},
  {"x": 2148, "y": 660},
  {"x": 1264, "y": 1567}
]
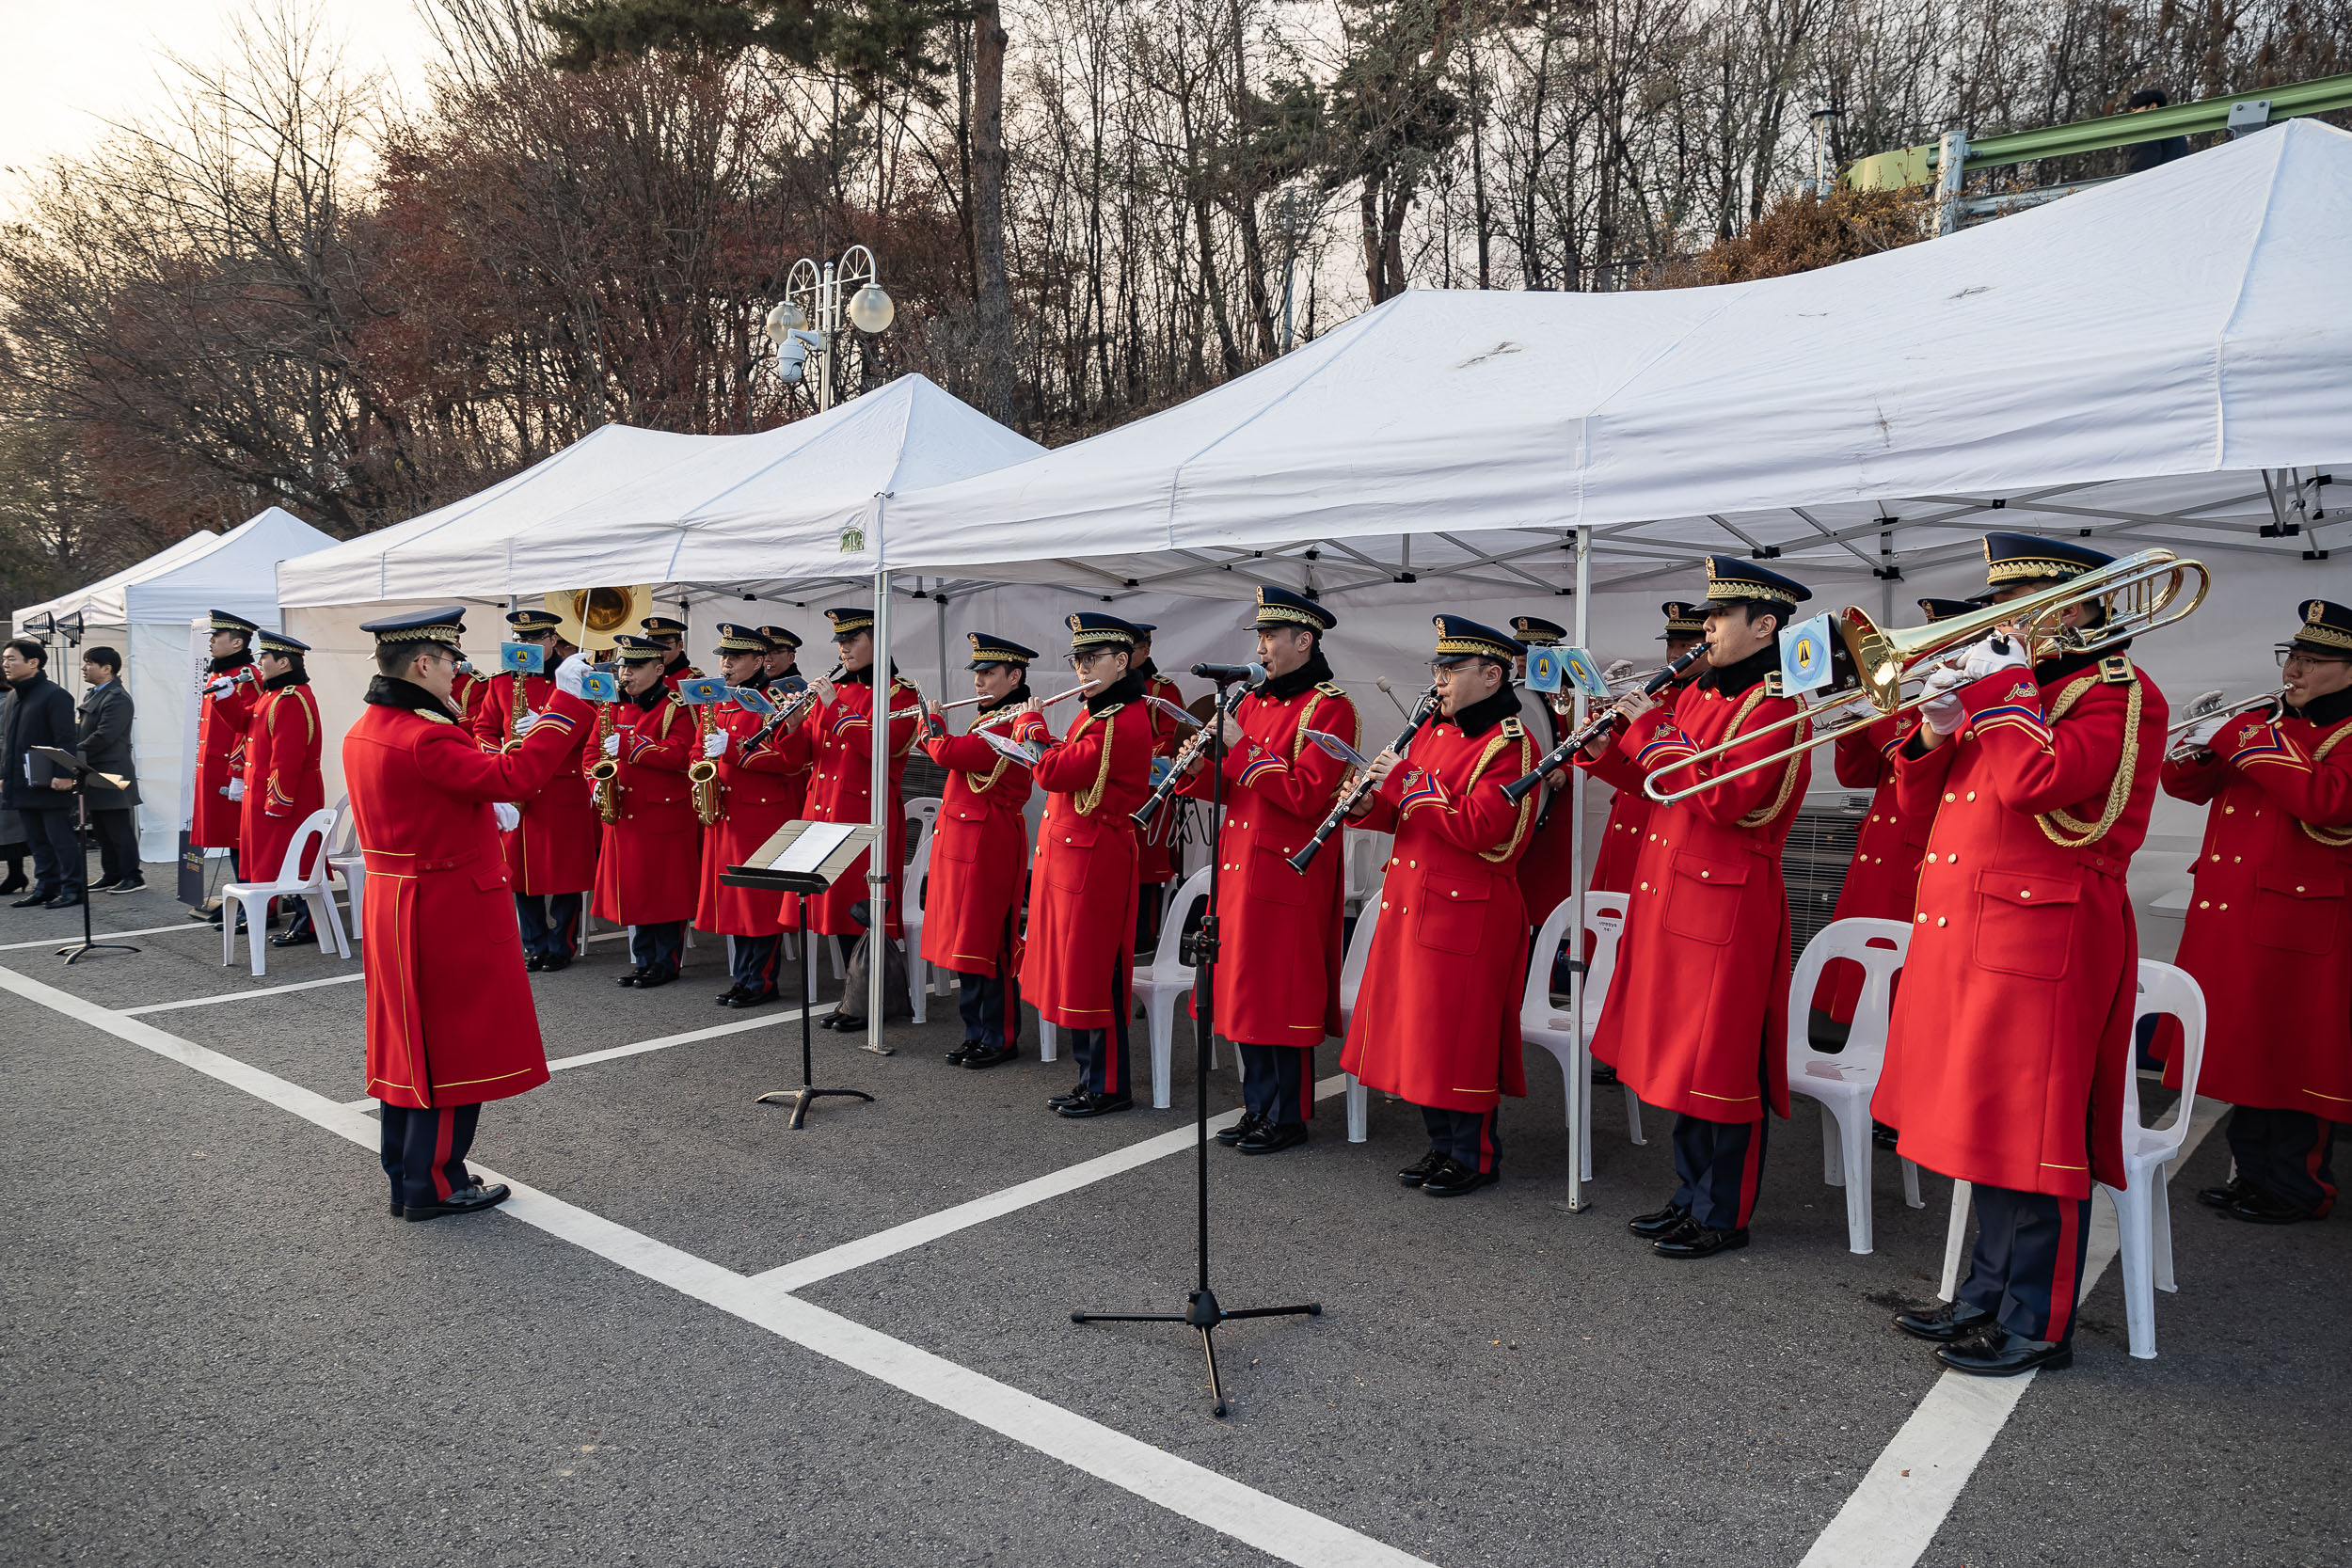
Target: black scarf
[
  {"x": 2049, "y": 672},
  {"x": 1733, "y": 679},
  {"x": 230, "y": 663},
  {"x": 1014, "y": 698},
  {"x": 295, "y": 676},
  {"x": 2324, "y": 710},
  {"x": 865, "y": 676},
  {"x": 1127, "y": 689},
  {"x": 1145, "y": 669},
  {"x": 1485, "y": 713},
  {"x": 1312, "y": 673},
  {"x": 650, "y": 699},
  {"x": 393, "y": 691}
]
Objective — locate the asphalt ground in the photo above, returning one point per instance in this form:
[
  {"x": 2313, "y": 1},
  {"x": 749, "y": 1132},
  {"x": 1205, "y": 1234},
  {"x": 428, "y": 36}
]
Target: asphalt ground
[{"x": 219, "y": 1349}]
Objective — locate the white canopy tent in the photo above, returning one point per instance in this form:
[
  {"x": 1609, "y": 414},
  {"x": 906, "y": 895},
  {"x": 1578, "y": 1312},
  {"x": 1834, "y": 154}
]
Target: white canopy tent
[{"x": 145, "y": 611}]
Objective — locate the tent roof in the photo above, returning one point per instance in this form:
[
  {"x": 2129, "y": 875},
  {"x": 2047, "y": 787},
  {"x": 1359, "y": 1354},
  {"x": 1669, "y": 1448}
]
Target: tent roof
[
  {"x": 2147, "y": 360},
  {"x": 203, "y": 572},
  {"x": 624, "y": 505}
]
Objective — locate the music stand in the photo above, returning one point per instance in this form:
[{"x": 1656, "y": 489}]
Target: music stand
[
  {"x": 82, "y": 773},
  {"x": 806, "y": 858}
]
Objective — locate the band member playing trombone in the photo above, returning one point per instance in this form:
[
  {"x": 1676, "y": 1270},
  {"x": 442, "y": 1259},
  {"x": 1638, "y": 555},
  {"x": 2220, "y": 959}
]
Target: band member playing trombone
[
  {"x": 2268, "y": 935},
  {"x": 979, "y": 848},
  {"x": 1079, "y": 966},
  {"x": 1280, "y": 946},
  {"x": 2012, "y": 1031},
  {"x": 551, "y": 851},
  {"x": 761, "y": 789},
  {"x": 1696, "y": 1017},
  {"x": 1437, "y": 1020},
  {"x": 647, "y": 876}
]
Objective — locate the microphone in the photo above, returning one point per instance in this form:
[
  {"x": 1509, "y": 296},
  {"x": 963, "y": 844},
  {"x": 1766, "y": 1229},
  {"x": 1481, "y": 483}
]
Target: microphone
[{"x": 1225, "y": 674}]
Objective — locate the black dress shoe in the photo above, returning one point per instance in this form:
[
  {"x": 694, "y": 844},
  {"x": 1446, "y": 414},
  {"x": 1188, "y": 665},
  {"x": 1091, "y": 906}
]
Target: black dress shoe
[
  {"x": 660, "y": 974},
  {"x": 554, "y": 962},
  {"x": 1694, "y": 1240},
  {"x": 397, "y": 1211},
  {"x": 532, "y": 962},
  {"x": 65, "y": 901},
  {"x": 955, "y": 1058},
  {"x": 753, "y": 999},
  {"x": 634, "y": 977},
  {"x": 1097, "y": 1105},
  {"x": 1659, "y": 1222},
  {"x": 2260, "y": 1207},
  {"x": 16, "y": 883},
  {"x": 1885, "y": 1137},
  {"x": 1073, "y": 1098},
  {"x": 983, "y": 1057},
  {"x": 1954, "y": 1320},
  {"x": 1272, "y": 1137},
  {"x": 104, "y": 884},
  {"x": 1418, "y": 1172},
  {"x": 1249, "y": 1123},
  {"x": 1604, "y": 1074},
  {"x": 730, "y": 994},
  {"x": 307, "y": 937},
  {"x": 128, "y": 885},
  {"x": 1452, "y": 1179},
  {"x": 2229, "y": 1192},
  {"x": 466, "y": 1200},
  {"x": 1997, "y": 1353},
  {"x": 31, "y": 901}
]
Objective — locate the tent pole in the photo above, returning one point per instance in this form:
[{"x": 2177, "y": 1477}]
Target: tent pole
[
  {"x": 885, "y": 808},
  {"x": 1581, "y": 1075}
]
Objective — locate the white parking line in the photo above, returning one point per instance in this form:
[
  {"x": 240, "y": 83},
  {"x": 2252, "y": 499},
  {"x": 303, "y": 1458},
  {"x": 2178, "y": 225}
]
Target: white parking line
[
  {"x": 1280, "y": 1529},
  {"x": 67, "y": 938},
  {"x": 1895, "y": 1512},
  {"x": 664, "y": 1042},
  {"x": 240, "y": 995}
]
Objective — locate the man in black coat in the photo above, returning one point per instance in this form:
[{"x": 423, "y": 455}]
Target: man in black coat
[
  {"x": 42, "y": 715},
  {"x": 105, "y": 743}
]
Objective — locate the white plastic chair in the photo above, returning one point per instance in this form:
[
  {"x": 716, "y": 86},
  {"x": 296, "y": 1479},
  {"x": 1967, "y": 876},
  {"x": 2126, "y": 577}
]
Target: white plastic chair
[
  {"x": 1843, "y": 1082},
  {"x": 2143, "y": 1209},
  {"x": 254, "y": 897},
  {"x": 922, "y": 818},
  {"x": 345, "y": 860},
  {"x": 1366, "y": 861},
  {"x": 1164, "y": 982},
  {"x": 1352, "y": 981},
  {"x": 1570, "y": 1040}
]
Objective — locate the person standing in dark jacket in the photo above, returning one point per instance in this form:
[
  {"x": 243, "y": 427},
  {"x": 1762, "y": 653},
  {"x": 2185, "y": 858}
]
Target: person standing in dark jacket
[
  {"x": 2141, "y": 156},
  {"x": 104, "y": 742},
  {"x": 36, "y": 788}
]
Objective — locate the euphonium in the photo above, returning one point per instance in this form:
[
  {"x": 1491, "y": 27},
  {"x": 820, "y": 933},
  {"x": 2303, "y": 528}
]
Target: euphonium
[{"x": 702, "y": 774}]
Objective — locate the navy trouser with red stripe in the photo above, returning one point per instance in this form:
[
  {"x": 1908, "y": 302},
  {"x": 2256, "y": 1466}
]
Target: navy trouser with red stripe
[
  {"x": 991, "y": 1004},
  {"x": 1278, "y": 1082},
  {"x": 1474, "y": 1138},
  {"x": 2027, "y": 1266},
  {"x": 549, "y": 921},
  {"x": 1720, "y": 1165},
  {"x": 751, "y": 961},
  {"x": 425, "y": 1152},
  {"x": 2287, "y": 1155}
]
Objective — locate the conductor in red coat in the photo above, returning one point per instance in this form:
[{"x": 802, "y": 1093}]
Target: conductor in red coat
[
  {"x": 1696, "y": 1017},
  {"x": 1280, "y": 948},
  {"x": 648, "y": 872},
  {"x": 2010, "y": 1036},
  {"x": 231, "y": 685},
  {"x": 979, "y": 855},
  {"x": 2268, "y": 935},
  {"x": 1629, "y": 812},
  {"x": 449, "y": 1021},
  {"x": 282, "y": 782},
  {"x": 1437, "y": 1019},
  {"x": 1156, "y": 846},
  {"x": 1079, "y": 963},
  {"x": 760, "y": 790},
  {"x": 551, "y": 848}
]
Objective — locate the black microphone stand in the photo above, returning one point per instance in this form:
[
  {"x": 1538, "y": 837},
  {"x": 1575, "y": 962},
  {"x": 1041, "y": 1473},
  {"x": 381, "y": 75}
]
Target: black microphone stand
[{"x": 1201, "y": 1310}]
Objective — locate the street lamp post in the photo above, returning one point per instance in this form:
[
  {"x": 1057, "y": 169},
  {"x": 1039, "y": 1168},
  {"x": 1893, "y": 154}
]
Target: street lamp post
[{"x": 817, "y": 299}]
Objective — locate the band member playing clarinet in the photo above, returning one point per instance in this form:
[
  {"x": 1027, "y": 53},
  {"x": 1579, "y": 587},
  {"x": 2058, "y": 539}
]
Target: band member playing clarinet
[
  {"x": 648, "y": 875},
  {"x": 1280, "y": 946},
  {"x": 1079, "y": 965},
  {"x": 780, "y": 670},
  {"x": 2011, "y": 1032},
  {"x": 1437, "y": 1022},
  {"x": 2268, "y": 935},
  {"x": 1696, "y": 1017},
  {"x": 551, "y": 850},
  {"x": 979, "y": 850},
  {"x": 761, "y": 789},
  {"x": 1156, "y": 846}
]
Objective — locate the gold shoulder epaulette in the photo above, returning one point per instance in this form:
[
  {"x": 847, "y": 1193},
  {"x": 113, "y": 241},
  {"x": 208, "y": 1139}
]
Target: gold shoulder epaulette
[
  {"x": 1331, "y": 688},
  {"x": 437, "y": 718},
  {"x": 1115, "y": 707},
  {"x": 2116, "y": 668},
  {"x": 1772, "y": 684}
]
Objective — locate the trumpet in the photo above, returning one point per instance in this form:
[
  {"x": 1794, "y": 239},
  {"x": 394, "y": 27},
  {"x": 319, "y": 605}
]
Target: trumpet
[
  {"x": 2150, "y": 587},
  {"x": 2209, "y": 708},
  {"x": 973, "y": 702},
  {"x": 1201, "y": 740},
  {"x": 702, "y": 775}
]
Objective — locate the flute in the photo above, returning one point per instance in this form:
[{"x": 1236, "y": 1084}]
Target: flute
[
  {"x": 971, "y": 701},
  {"x": 1518, "y": 789},
  {"x": 1353, "y": 796}
]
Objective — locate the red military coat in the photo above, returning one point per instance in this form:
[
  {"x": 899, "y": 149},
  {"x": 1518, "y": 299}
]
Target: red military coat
[
  {"x": 554, "y": 848},
  {"x": 1884, "y": 878},
  {"x": 1437, "y": 1019},
  {"x": 980, "y": 849},
  {"x": 450, "y": 1016},
  {"x": 2268, "y": 935},
  {"x": 838, "y": 739},
  {"x": 1548, "y": 870},
  {"x": 1697, "y": 1018},
  {"x": 1156, "y": 846},
  {"x": 1080, "y": 958},
  {"x": 2012, "y": 1025},
  {"x": 217, "y": 821},
  {"x": 282, "y": 782},
  {"x": 763, "y": 788},
  {"x": 649, "y": 870},
  {"x": 1280, "y": 946},
  {"x": 1621, "y": 841}
]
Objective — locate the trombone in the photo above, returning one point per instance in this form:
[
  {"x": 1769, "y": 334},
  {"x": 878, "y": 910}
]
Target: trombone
[
  {"x": 2141, "y": 592},
  {"x": 2208, "y": 708}
]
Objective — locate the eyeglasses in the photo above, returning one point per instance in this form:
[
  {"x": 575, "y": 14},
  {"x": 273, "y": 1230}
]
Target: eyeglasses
[
  {"x": 2288, "y": 656},
  {"x": 1442, "y": 668}
]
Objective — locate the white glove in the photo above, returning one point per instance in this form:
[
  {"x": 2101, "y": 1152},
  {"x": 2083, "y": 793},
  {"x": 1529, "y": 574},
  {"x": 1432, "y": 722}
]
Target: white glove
[
  {"x": 715, "y": 744},
  {"x": 522, "y": 725},
  {"x": 510, "y": 817},
  {"x": 571, "y": 677},
  {"x": 1993, "y": 656},
  {"x": 219, "y": 686},
  {"x": 612, "y": 745},
  {"x": 235, "y": 790},
  {"x": 1944, "y": 711}
]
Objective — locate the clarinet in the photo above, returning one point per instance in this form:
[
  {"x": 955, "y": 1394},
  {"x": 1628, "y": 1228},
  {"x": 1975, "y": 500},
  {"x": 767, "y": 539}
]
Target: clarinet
[
  {"x": 1353, "y": 796},
  {"x": 1141, "y": 817},
  {"x": 1517, "y": 790}
]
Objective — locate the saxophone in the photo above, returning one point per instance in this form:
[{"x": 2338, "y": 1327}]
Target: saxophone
[
  {"x": 604, "y": 773},
  {"x": 702, "y": 774},
  {"x": 514, "y": 716}
]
